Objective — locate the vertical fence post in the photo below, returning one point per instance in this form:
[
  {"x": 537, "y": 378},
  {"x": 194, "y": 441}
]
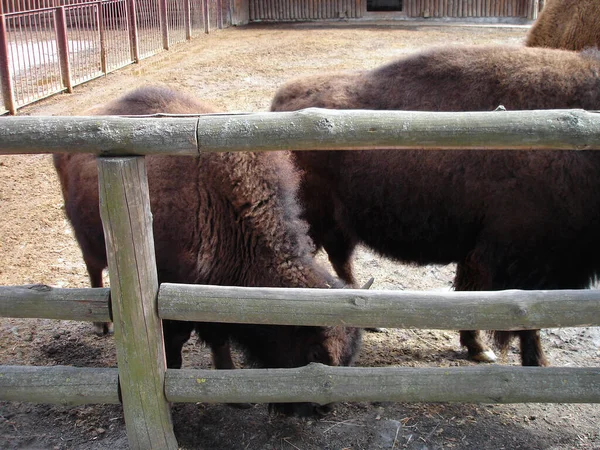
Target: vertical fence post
[
  {"x": 187, "y": 17},
  {"x": 8, "y": 91},
  {"x": 63, "y": 47},
  {"x": 164, "y": 23},
  {"x": 534, "y": 6},
  {"x": 100, "y": 20},
  {"x": 206, "y": 7},
  {"x": 127, "y": 222},
  {"x": 220, "y": 14},
  {"x": 133, "y": 31}
]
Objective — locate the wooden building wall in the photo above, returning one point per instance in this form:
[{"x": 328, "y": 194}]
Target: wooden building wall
[
  {"x": 289, "y": 10},
  {"x": 469, "y": 8},
  {"x": 286, "y": 10}
]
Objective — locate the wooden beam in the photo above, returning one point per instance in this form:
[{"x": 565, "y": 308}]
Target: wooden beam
[
  {"x": 127, "y": 222},
  {"x": 322, "y": 384},
  {"x": 101, "y": 135},
  {"x": 309, "y": 129},
  {"x": 61, "y": 385},
  {"x": 501, "y": 310},
  {"x": 45, "y": 302}
]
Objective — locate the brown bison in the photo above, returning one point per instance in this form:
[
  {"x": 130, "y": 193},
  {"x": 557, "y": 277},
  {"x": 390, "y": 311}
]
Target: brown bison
[
  {"x": 220, "y": 219},
  {"x": 567, "y": 24},
  {"x": 510, "y": 219}
]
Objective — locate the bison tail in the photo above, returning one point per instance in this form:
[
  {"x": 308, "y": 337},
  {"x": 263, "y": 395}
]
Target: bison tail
[{"x": 502, "y": 340}]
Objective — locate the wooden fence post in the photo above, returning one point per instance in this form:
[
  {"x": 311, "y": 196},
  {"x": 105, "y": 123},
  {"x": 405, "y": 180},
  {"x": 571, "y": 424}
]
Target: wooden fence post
[
  {"x": 133, "y": 31},
  {"x": 220, "y": 14},
  {"x": 8, "y": 92},
  {"x": 127, "y": 222},
  {"x": 164, "y": 22},
  {"x": 534, "y": 6},
  {"x": 187, "y": 16},
  {"x": 206, "y": 8},
  {"x": 63, "y": 47}
]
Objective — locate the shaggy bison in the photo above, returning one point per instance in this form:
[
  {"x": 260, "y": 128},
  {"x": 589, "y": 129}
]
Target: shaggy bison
[
  {"x": 510, "y": 219},
  {"x": 567, "y": 24},
  {"x": 220, "y": 219}
]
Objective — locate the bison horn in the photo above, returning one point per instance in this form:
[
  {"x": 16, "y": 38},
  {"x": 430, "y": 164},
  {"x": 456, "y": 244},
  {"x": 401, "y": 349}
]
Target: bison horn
[{"x": 368, "y": 284}]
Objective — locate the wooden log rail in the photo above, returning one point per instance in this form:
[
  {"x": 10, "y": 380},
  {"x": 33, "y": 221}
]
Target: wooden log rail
[
  {"x": 314, "y": 383},
  {"x": 500, "y": 310},
  {"x": 63, "y": 385},
  {"x": 322, "y": 384},
  {"x": 39, "y": 301},
  {"x": 309, "y": 129}
]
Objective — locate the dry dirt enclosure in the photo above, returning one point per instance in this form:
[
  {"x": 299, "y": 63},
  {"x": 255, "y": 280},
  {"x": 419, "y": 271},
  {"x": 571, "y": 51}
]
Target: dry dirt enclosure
[{"x": 239, "y": 69}]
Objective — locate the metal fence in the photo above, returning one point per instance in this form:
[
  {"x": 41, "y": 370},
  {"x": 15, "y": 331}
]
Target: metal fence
[{"x": 61, "y": 44}]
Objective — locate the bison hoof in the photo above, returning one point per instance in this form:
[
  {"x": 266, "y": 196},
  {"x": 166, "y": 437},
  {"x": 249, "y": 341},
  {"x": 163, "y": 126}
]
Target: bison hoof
[
  {"x": 486, "y": 356},
  {"x": 102, "y": 328}
]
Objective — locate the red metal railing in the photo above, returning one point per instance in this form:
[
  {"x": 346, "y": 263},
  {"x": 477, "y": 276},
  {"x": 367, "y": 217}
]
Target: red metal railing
[{"x": 53, "y": 48}]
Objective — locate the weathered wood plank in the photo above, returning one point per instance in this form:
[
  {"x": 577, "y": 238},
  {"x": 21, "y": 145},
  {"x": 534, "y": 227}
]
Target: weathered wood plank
[
  {"x": 44, "y": 302},
  {"x": 101, "y": 135},
  {"x": 61, "y": 385},
  {"x": 309, "y": 129},
  {"x": 502, "y": 310},
  {"x": 127, "y": 222},
  {"x": 322, "y": 384}
]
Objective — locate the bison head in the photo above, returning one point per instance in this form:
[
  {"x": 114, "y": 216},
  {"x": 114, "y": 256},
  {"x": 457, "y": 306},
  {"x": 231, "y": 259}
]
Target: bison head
[{"x": 295, "y": 346}]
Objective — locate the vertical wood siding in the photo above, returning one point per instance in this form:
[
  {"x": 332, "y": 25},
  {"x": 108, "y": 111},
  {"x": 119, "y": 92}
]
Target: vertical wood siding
[
  {"x": 284, "y": 10},
  {"x": 287, "y": 10}
]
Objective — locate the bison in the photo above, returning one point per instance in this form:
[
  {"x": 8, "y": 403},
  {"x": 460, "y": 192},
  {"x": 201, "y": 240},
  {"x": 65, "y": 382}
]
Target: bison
[
  {"x": 567, "y": 24},
  {"x": 220, "y": 219},
  {"x": 509, "y": 219}
]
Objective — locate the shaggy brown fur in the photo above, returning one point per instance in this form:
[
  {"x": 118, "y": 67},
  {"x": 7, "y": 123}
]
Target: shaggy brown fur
[
  {"x": 510, "y": 219},
  {"x": 567, "y": 24},
  {"x": 221, "y": 219}
]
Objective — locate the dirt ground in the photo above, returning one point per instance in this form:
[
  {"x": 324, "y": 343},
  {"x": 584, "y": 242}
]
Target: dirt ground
[{"x": 238, "y": 69}]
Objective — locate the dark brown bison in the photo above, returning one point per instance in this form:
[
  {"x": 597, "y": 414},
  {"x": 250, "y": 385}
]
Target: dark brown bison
[
  {"x": 567, "y": 24},
  {"x": 510, "y": 219},
  {"x": 220, "y": 219}
]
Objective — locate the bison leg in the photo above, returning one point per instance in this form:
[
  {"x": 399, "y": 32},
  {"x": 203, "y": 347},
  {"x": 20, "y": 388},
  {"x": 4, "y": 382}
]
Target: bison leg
[
  {"x": 477, "y": 350},
  {"x": 532, "y": 353},
  {"x": 176, "y": 334},
  {"x": 339, "y": 248},
  {"x": 222, "y": 360},
  {"x": 95, "y": 273},
  {"x": 469, "y": 278},
  {"x": 221, "y": 355}
]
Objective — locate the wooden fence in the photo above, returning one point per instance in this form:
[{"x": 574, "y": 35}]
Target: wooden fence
[{"x": 136, "y": 303}]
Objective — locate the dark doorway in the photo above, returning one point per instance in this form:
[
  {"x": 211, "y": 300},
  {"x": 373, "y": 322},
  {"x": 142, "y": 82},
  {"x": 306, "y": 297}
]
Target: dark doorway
[{"x": 384, "y": 5}]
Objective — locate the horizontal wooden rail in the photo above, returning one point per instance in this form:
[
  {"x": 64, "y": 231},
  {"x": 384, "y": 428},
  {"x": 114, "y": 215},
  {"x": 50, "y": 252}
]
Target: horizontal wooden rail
[
  {"x": 511, "y": 309},
  {"x": 309, "y": 129},
  {"x": 62, "y": 385},
  {"x": 101, "y": 135},
  {"x": 44, "y": 302},
  {"x": 323, "y": 384},
  {"x": 314, "y": 383},
  {"x": 501, "y": 310}
]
